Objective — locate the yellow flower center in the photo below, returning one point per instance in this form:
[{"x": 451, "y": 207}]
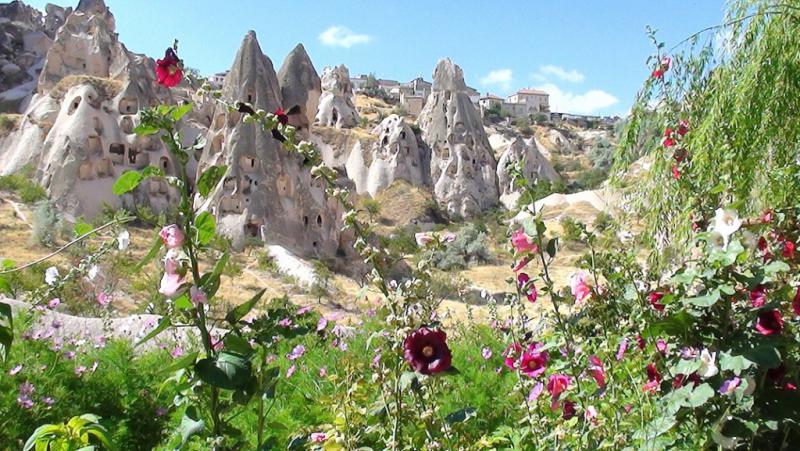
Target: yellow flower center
[{"x": 427, "y": 351}]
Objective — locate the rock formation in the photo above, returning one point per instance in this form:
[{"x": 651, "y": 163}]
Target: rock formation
[
  {"x": 535, "y": 167},
  {"x": 266, "y": 192},
  {"x": 301, "y": 89},
  {"x": 337, "y": 105},
  {"x": 78, "y": 129},
  {"x": 394, "y": 156},
  {"x": 463, "y": 168}
]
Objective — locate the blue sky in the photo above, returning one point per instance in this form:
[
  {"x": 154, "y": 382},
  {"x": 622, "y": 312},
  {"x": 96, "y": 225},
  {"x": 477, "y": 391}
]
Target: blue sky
[{"x": 589, "y": 54}]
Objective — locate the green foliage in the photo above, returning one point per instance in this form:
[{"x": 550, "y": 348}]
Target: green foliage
[
  {"x": 46, "y": 223},
  {"x": 468, "y": 249},
  {"x": 22, "y": 183},
  {"x": 603, "y": 221},
  {"x": 81, "y": 432},
  {"x": 523, "y": 124},
  {"x": 592, "y": 178},
  {"x": 571, "y": 228}
]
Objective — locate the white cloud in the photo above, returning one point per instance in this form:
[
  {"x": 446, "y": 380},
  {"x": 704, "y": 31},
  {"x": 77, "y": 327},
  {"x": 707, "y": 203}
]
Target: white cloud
[
  {"x": 339, "y": 36},
  {"x": 590, "y": 102},
  {"x": 500, "y": 78},
  {"x": 572, "y": 75}
]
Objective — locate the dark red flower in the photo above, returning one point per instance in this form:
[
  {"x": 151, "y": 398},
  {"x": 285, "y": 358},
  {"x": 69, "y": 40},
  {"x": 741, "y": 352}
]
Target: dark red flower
[
  {"x": 662, "y": 68},
  {"x": 568, "y": 410},
  {"x": 680, "y": 154},
  {"x": 683, "y": 127},
  {"x": 426, "y": 351},
  {"x": 283, "y": 118},
  {"x": 796, "y": 302},
  {"x": 788, "y": 250},
  {"x": 758, "y": 296},
  {"x": 169, "y": 71},
  {"x": 655, "y": 297},
  {"x": 640, "y": 341},
  {"x": 668, "y": 140},
  {"x": 770, "y": 322},
  {"x": 653, "y": 379},
  {"x": 527, "y": 287}
]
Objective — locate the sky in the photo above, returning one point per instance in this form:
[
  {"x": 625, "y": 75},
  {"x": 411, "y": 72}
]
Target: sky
[{"x": 589, "y": 55}]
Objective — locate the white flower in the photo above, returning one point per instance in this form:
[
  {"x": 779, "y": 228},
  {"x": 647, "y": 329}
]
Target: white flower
[
  {"x": 726, "y": 223},
  {"x": 124, "y": 240},
  {"x": 51, "y": 275},
  {"x": 92, "y": 273},
  {"x": 708, "y": 367}
]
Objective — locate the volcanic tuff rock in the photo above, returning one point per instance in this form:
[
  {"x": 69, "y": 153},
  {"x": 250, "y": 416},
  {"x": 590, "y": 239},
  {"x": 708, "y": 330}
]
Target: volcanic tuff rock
[
  {"x": 395, "y": 155},
  {"x": 78, "y": 129},
  {"x": 267, "y": 192},
  {"x": 301, "y": 89},
  {"x": 535, "y": 167},
  {"x": 463, "y": 168},
  {"x": 337, "y": 106}
]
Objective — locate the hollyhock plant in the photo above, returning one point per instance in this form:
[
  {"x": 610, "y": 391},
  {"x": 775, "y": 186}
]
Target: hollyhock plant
[
  {"x": 55, "y": 302},
  {"x": 423, "y": 239},
  {"x": 534, "y": 360},
  {"x": 511, "y": 355},
  {"x": 788, "y": 250},
  {"x": 676, "y": 174},
  {"x": 172, "y": 236},
  {"x": 708, "y": 367},
  {"x": 51, "y": 275},
  {"x": 683, "y": 127},
  {"x": 729, "y": 386},
  {"x": 103, "y": 298},
  {"x": 662, "y": 68},
  {"x": 283, "y": 118},
  {"x": 568, "y": 410},
  {"x": 654, "y": 297},
  {"x": 318, "y": 437},
  {"x": 527, "y": 287},
  {"x": 535, "y": 392},
  {"x": 557, "y": 384},
  {"x": 426, "y": 351},
  {"x": 597, "y": 370},
  {"x": 580, "y": 289},
  {"x": 726, "y": 223},
  {"x": 522, "y": 242},
  {"x": 169, "y": 71},
  {"x": 171, "y": 285},
  {"x": 769, "y": 322},
  {"x": 521, "y": 263},
  {"x": 623, "y": 346},
  {"x": 668, "y": 140},
  {"x": 796, "y": 302},
  {"x": 197, "y": 296},
  {"x": 758, "y": 296},
  {"x": 653, "y": 379}
]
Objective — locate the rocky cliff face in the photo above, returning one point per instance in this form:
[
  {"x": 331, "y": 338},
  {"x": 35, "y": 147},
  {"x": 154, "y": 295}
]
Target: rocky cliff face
[
  {"x": 301, "y": 89},
  {"x": 395, "y": 155},
  {"x": 266, "y": 193},
  {"x": 78, "y": 129},
  {"x": 337, "y": 106},
  {"x": 463, "y": 168},
  {"x": 535, "y": 167}
]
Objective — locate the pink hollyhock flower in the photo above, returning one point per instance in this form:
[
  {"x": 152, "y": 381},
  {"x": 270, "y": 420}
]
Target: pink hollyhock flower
[
  {"x": 534, "y": 360},
  {"x": 448, "y": 237},
  {"x": 423, "y": 239},
  {"x": 527, "y": 287},
  {"x": 172, "y": 236},
  {"x": 758, "y": 296},
  {"x": 767, "y": 216},
  {"x": 591, "y": 414},
  {"x": 54, "y": 303},
  {"x": 655, "y": 297},
  {"x": 486, "y": 353},
  {"x": 318, "y": 437},
  {"x": 176, "y": 352},
  {"x": 323, "y": 372},
  {"x": 623, "y": 346},
  {"x": 521, "y": 264},
  {"x": 661, "y": 346},
  {"x": 426, "y": 351},
  {"x": 512, "y": 355},
  {"x": 597, "y": 370},
  {"x": 557, "y": 384},
  {"x": 770, "y": 322},
  {"x": 103, "y": 298},
  {"x": 290, "y": 371},
  {"x": 296, "y": 353},
  {"x": 683, "y": 127},
  {"x": 535, "y": 392},
  {"x": 796, "y": 302},
  {"x": 322, "y": 324},
  {"x": 653, "y": 379},
  {"x": 568, "y": 410},
  {"x": 788, "y": 250},
  {"x": 729, "y": 386},
  {"x": 171, "y": 285},
  {"x": 286, "y": 322},
  {"x": 197, "y": 296},
  {"x": 14, "y": 371},
  {"x": 169, "y": 71},
  {"x": 522, "y": 242},
  {"x": 579, "y": 287},
  {"x": 79, "y": 370},
  {"x": 303, "y": 310}
]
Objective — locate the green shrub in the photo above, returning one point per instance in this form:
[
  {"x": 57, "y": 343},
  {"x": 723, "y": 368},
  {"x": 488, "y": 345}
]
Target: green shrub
[
  {"x": 603, "y": 221},
  {"x": 468, "y": 249},
  {"x": 23, "y": 185},
  {"x": 571, "y": 228},
  {"x": 592, "y": 178},
  {"x": 47, "y": 221}
]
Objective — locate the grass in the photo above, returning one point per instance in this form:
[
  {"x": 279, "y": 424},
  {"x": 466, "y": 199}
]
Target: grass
[
  {"x": 23, "y": 185},
  {"x": 106, "y": 87}
]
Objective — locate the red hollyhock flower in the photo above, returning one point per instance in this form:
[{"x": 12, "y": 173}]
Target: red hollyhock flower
[
  {"x": 640, "y": 341},
  {"x": 557, "y": 384},
  {"x": 796, "y": 302},
  {"x": 654, "y": 297},
  {"x": 662, "y": 68},
  {"x": 770, "y": 322},
  {"x": 534, "y": 361},
  {"x": 283, "y": 118},
  {"x": 668, "y": 140},
  {"x": 758, "y": 296},
  {"x": 683, "y": 127},
  {"x": 169, "y": 71},
  {"x": 426, "y": 351},
  {"x": 527, "y": 287},
  {"x": 788, "y": 250},
  {"x": 653, "y": 379},
  {"x": 597, "y": 370},
  {"x": 569, "y": 410},
  {"x": 676, "y": 174},
  {"x": 511, "y": 355}
]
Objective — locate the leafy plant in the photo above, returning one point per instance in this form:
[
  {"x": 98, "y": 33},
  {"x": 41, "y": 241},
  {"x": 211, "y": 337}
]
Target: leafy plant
[{"x": 79, "y": 432}]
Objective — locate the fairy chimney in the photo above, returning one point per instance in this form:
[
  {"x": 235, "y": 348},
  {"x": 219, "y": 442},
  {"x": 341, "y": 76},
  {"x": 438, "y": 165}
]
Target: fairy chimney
[{"x": 337, "y": 105}]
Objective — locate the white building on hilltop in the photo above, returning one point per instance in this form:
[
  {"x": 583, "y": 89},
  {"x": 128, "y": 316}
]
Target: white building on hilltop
[{"x": 525, "y": 102}]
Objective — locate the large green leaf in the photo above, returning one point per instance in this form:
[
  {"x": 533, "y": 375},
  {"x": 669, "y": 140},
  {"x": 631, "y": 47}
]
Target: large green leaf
[
  {"x": 162, "y": 325},
  {"x": 735, "y": 363},
  {"x": 228, "y": 371},
  {"x": 206, "y": 227},
  {"x": 178, "y": 112},
  {"x": 235, "y": 315},
  {"x": 706, "y": 300},
  {"x": 209, "y": 179},
  {"x": 6, "y": 330},
  {"x": 700, "y": 395},
  {"x": 127, "y": 182},
  {"x": 191, "y": 425},
  {"x": 181, "y": 363}
]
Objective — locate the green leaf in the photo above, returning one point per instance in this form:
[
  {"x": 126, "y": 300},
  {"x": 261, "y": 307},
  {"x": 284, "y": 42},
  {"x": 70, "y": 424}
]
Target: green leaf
[
  {"x": 191, "y": 425},
  {"x": 460, "y": 416},
  {"x": 152, "y": 171},
  {"x": 685, "y": 367},
  {"x": 209, "y": 282},
  {"x": 146, "y": 130},
  {"x": 700, "y": 395},
  {"x": 162, "y": 325},
  {"x": 209, "y": 179},
  {"x": 228, "y": 371},
  {"x": 552, "y": 247},
  {"x": 206, "y": 227},
  {"x": 706, "y": 300},
  {"x": 82, "y": 229},
  {"x": 764, "y": 356},
  {"x": 127, "y": 182},
  {"x": 5, "y": 287},
  {"x": 6, "y": 330},
  {"x": 179, "y": 112},
  {"x": 735, "y": 363},
  {"x": 151, "y": 254},
  {"x": 182, "y": 302},
  {"x": 237, "y": 344},
  {"x": 181, "y": 363},
  {"x": 235, "y": 315},
  {"x": 775, "y": 267},
  {"x": 409, "y": 380},
  {"x": 675, "y": 325}
]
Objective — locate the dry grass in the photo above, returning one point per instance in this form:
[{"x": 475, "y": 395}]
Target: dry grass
[
  {"x": 106, "y": 87},
  {"x": 401, "y": 204}
]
